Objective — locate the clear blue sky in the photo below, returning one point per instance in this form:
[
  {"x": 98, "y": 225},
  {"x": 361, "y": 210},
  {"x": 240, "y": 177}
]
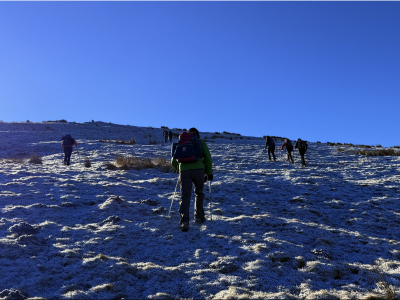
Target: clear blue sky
[{"x": 321, "y": 71}]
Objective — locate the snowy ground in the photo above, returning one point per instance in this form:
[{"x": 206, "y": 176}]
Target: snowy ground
[{"x": 278, "y": 231}]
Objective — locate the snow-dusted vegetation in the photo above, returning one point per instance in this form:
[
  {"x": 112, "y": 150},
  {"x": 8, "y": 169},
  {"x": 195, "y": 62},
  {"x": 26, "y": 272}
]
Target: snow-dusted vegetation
[{"x": 278, "y": 231}]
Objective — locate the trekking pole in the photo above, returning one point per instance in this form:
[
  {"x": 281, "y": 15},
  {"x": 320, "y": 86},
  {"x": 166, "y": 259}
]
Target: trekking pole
[
  {"x": 209, "y": 185},
  {"x": 80, "y": 156},
  {"x": 287, "y": 156},
  {"x": 172, "y": 201},
  {"x": 78, "y": 161},
  {"x": 294, "y": 161},
  {"x": 284, "y": 154}
]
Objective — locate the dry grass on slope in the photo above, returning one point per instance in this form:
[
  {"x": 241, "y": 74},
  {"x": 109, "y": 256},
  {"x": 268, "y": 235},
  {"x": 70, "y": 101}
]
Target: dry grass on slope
[
  {"x": 380, "y": 152},
  {"x": 17, "y": 160},
  {"x": 139, "y": 163},
  {"x": 35, "y": 159},
  {"x": 122, "y": 141},
  {"x": 87, "y": 162}
]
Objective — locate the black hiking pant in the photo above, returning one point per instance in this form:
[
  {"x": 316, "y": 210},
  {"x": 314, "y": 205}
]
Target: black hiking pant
[
  {"x": 271, "y": 150},
  {"x": 67, "y": 154},
  {"x": 303, "y": 161},
  {"x": 187, "y": 177},
  {"x": 289, "y": 154}
]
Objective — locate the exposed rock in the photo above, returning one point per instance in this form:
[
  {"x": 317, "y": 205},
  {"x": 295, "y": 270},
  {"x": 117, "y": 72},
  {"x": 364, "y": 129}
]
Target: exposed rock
[
  {"x": 279, "y": 256},
  {"x": 149, "y": 202},
  {"x": 13, "y": 294},
  {"x": 224, "y": 266},
  {"x": 159, "y": 210},
  {"x": 112, "y": 219},
  {"x": 23, "y": 228},
  {"x": 30, "y": 240}
]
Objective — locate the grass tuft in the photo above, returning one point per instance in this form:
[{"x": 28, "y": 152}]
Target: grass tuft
[
  {"x": 387, "y": 289},
  {"x": 110, "y": 166},
  {"x": 87, "y": 162},
  {"x": 163, "y": 165},
  {"x": 130, "y": 142},
  {"x": 35, "y": 159},
  {"x": 139, "y": 163},
  {"x": 380, "y": 152},
  {"x": 17, "y": 160},
  {"x": 133, "y": 162},
  {"x": 102, "y": 257}
]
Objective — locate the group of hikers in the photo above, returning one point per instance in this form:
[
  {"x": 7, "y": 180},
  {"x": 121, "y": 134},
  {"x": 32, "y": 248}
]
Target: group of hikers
[
  {"x": 300, "y": 144},
  {"x": 167, "y": 134},
  {"x": 192, "y": 159}
]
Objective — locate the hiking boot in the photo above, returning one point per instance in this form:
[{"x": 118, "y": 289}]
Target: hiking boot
[
  {"x": 185, "y": 226},
  {"x": 198, "y": 220}
]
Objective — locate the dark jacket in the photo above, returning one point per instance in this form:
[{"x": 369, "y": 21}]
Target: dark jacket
[
  {"x": 270, "y": 142},
  {"x": 301, "y": 145},
  {"x": 68, "y": 141}
]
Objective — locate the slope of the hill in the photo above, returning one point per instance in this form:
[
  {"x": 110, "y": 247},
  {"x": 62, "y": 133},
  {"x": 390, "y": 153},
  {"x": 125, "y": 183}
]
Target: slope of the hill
[{"x": 278, "y": 231}]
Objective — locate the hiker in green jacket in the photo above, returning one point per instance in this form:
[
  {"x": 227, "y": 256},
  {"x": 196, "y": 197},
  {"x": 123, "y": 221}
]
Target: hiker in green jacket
[{"x": 193, "y": 172}]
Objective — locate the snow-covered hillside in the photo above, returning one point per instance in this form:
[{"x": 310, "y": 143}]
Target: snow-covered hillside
[{"x": 278, "y": 231}]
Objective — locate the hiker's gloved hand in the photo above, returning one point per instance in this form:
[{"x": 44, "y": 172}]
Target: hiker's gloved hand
[
  {"x": 210, "y": 177},
  {"x": 205, "y": 178}
]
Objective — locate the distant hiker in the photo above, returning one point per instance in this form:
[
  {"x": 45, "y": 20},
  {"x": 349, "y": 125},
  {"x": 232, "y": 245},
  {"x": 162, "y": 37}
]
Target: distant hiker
[
  {"x": 302, "y": 146},
  {"x": 67, "y": 145},
  {"x": 195, "y": 167},
  {"x": 170, "y": 135},
  {"x": 165, "y": 136},
  {"x": 289, "y": 148},
  {"x": 270, "y": 143}
]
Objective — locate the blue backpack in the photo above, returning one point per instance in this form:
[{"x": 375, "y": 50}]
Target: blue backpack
[{"x": 188, "y": 149}]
